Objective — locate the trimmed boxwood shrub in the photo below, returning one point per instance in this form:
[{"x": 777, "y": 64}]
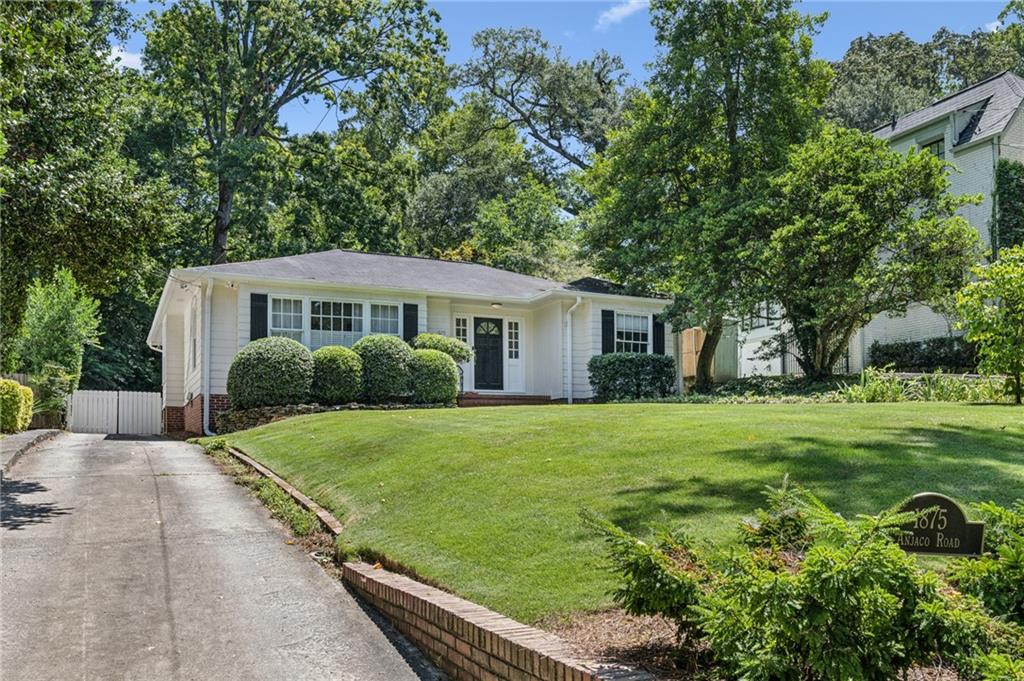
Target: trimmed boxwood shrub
[
  {"x": 337, "y": 375},
  {"x": 944, "y": 353},
  {"x": 16, "y": 403},
  {"x": 435, "y": 378},
  {"x": 386, "y": 361},
  {"x": 631, "y": 376},
  {"x": 270, "y": 371},
  {"x": 452, "y": 347}
]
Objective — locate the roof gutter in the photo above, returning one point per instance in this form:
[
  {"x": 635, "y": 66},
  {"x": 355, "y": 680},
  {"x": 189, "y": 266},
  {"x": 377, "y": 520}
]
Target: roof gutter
[
  {"x": 568, "y": 347},
  {"x": 207, "y": 317}
]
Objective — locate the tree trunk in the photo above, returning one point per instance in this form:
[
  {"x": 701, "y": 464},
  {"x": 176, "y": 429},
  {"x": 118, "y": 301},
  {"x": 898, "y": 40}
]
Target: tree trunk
[
  {"x": 1017, "y": 388},
  {"x": 222, "y": 222},
  {"x": 712, "y": 333}
]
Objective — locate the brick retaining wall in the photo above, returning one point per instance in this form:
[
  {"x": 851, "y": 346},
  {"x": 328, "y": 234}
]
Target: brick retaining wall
[{"x": 468, "y": 641}]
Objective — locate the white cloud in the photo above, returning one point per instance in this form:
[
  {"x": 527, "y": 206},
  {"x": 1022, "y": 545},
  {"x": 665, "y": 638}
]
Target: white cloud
[
  {"x": 618, "y": 13},
  {"x": 993, "y": 26},
  {"x": 125, "y": 59}
]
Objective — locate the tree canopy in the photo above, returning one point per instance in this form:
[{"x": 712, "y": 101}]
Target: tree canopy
[
  {"x": 734, "y": 86},
  {"x": 992, "y": 311},
  {"x": 851, "y": 229},
  {"x": 71, "y": 198},
  {"x": 231, "y": 66}
]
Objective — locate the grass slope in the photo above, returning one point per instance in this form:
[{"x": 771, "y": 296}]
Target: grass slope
[{"x": 486, "y": 501}]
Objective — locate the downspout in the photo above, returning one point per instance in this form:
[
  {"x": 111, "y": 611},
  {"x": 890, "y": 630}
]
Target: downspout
[
  {"x": 207, "y": 316},
  {"x": 568, "y": 347}
]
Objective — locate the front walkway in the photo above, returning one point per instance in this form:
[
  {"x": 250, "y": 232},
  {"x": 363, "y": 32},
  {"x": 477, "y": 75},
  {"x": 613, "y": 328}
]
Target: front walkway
[{"x": 137, "y": 559}]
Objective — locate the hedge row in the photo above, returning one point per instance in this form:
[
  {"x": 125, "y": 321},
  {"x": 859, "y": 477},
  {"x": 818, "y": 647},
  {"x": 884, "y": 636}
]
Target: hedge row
[
  {"x": 631, "y": 376},
  {"x": 378, "y": 369},
  {"x": 16, "y": 402},
  {"x": 942, "y": 353}
]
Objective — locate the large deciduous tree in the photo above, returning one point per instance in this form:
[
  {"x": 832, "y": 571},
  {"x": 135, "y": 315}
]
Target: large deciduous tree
[
  {"x": 479, "y": 197},
  {"x": 881, "y": 77},
  {"x": 70, "y": 197},
  {"x": 853, "y": 229},
  {"x": 231, "y": 66},
  {"x": 735, "y": 86},
  {"x": 992, "y": 310},
  {"x": 567, "y": 108}
]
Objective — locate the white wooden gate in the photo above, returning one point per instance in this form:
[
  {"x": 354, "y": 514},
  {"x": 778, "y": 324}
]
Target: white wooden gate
[{"x": 114, "y": 411}]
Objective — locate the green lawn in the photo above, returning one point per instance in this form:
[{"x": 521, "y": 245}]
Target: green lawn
[{"x": 485, "y": 501}]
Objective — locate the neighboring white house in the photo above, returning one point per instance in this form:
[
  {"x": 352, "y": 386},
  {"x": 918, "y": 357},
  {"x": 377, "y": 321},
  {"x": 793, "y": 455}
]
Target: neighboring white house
[
  {"x": 532, "y": 337},
  {"x": 971, "y": 129}
]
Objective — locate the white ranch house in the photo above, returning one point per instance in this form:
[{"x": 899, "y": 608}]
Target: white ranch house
[
  {"x": 972, "y": 129},
  {"x": 532, "y": 337}
]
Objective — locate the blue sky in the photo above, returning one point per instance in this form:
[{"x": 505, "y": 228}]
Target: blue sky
[{"x": 622, "y": 27}]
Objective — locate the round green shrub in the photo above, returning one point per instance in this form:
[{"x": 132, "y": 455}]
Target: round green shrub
[
  {"x": 435, "y": 378},
  {"x": 269, "y": 372},
  {"x": 337, "y": 375},
  {"x": 15, "y": 406},
  {"x": 385, "y": 367},
  {"x": 452, "y": 347}
]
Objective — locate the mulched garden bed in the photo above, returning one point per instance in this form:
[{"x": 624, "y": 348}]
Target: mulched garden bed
[{"x": 649, "y": 643}]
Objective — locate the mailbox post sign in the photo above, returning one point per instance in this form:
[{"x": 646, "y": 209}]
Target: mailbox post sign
[{"x": 942, "y": 528}]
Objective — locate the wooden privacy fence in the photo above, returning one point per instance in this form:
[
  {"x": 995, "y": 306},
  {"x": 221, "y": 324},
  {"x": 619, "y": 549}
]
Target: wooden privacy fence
[{"x": 114, "y": 411}]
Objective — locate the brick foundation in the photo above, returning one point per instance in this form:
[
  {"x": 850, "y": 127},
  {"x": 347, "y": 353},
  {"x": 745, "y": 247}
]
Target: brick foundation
[
  {"x": 193, "y": 412},
  {"x": 468, "y": 641},
  {"x": 173, "y": 419},
  {"x": 193, "y": 415}
]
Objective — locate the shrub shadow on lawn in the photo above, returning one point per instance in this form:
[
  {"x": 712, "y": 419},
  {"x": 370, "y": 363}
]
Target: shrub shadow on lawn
[{"x": 680, "y": 499}]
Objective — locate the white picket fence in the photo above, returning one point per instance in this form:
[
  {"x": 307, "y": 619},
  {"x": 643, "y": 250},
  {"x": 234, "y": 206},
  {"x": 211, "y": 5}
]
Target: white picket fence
[{"x": 114, "y": 411}]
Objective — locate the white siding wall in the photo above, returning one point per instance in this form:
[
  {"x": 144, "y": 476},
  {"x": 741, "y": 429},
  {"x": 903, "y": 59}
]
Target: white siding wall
[
  {"x": 544, "y": 344},
  {"x": 439, "y": 316},
  {"x": 1013, "y": 138},
  {"x": 193, "y": 372},
  {"x": 224, "y": 335},
  {"x": 173, "y": 361}
]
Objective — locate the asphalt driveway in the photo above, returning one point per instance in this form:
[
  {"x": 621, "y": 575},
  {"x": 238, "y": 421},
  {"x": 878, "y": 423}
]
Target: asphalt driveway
[{"x": 137, "y": 559}]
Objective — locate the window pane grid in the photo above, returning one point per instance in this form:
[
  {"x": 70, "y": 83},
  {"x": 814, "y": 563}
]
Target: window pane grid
[
  {"x": 384, "y": 319},
  {"x": 631, "y": 333},
  {"x": 513, "y": 340},
  {"x": 462, "y": 329},
  {"x": 286, "y": 318},
  {"x": 334, "y": 323}
]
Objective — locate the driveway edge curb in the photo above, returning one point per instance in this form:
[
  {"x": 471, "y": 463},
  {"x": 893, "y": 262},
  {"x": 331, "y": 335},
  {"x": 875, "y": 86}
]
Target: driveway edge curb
[
  {"x": 22, "y": 448},
  {"x": 466, "y": 640}
]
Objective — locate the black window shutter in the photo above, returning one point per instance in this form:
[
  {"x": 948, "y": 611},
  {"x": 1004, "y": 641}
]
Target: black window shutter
[
  {"x": 659, "y": 337},
  {"x": 607, "y": 331},
  {"x": 411, "y": 321},
  {"x": 257, "y": 316}
]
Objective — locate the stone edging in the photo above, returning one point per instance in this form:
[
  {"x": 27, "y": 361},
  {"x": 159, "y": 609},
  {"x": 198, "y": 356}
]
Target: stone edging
[
  {"x": 20, "y": 448},
  {"x": 464, "y": 639}
]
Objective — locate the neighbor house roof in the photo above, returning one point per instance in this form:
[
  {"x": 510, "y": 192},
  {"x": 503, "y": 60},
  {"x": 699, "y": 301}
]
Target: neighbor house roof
[
  {"x": 986, "y": 108},
  {"x": 378, "y": 270}
]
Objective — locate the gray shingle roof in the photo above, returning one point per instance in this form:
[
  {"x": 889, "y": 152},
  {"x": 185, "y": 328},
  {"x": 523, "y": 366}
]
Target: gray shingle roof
[
  {"x": 999, "y": 98},
  {"x": 376, "y": 270}
]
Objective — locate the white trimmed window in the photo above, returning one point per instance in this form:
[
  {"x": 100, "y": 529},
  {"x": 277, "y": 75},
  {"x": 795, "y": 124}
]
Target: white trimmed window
[
  {"x": 384, "y": 319},
  {"x": 632, "y": 332},
  {"x": 513, "y": 340},
  {"x": 286, "y": 318},
  {"x": 462, "y": 329},
  {"x": 334, "y": 323},
  {"x": 937, "y": 148}
]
